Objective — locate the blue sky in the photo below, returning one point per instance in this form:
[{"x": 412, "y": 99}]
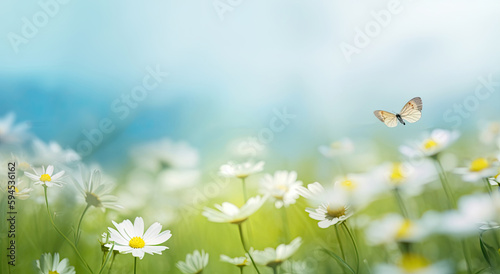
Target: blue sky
[{"x": 226, "y": 77}]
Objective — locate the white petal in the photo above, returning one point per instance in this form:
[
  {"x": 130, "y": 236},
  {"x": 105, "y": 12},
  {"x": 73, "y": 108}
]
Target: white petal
[
  {"x": 154, "y": 249},
  {"x": 152, "y": 231},
  {"x": 121, "y": 229},
  {"x": 32, "y": 176},
  {"x": 117, "y": 237},
  {"x": 138, "y": 252},
  {"x": 50, "y": 170},
  {"x": 161, "y": 238},
  {"x": 128, "y": 227},
  {"x": 58, "y": 175},
  {"x": 325, "y": 223},
  {"x": 139, "y": 227}
]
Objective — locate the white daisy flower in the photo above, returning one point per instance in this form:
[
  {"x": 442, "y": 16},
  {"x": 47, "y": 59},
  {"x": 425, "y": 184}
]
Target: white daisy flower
[
  {"x": 10, "y": 133},
  {"x": 21, "y": 160},
  {"x": 247, "y": 147},
  {"x": 238, "y": 261},
  {"x": 229, "y": 213},
  {"x": 353, "y": 189},
  {"x": 331, "y": 206},
  {"x": 46, "y": 177},
  {"x": 394, "y": 228},
  {"x": 103, "y": 241},
  {"x": 130, "y": 238},
  {"x": 408, "y": 177},
  {"x": 478, "y": 169},
  {"x": 95, "y": 191},
  {"x": 312, "y": 192},
  {"x": 413, "y": 264},
  {"x": 178, "y": 179},
  {"x": 473, "y": 212},
  {"x": 330, "y": 214},
  {"x": 49, "y": 264},
  {"x": 274, "y": 257},
  {"x": 490, "y": 132},
  {"x": 171, "y": 165},
  {"x": 165, "y": 154},
  {"x": 241, "y": 171},
  {"x": 137, "y": 196},
  {"x": 432, "y": 144},
  {"x": 20, "y": 191},
  {"x": 195, "y": 263},
  {"x": 52, "y": 153},
  {"x": 337, "y": 148},
  {"x": 291, "y": 267},
  {"x": 282, "y": 187},
  {"x": 357, "y": 190}
]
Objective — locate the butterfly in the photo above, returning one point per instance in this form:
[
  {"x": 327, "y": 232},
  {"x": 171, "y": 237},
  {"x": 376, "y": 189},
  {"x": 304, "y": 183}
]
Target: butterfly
[{"x": 411, "y": 113}]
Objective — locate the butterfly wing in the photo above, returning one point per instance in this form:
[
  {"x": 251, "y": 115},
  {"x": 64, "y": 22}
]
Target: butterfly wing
[
  {"x": 412, "y": 111},
  {"x": 388, "y": 118}
]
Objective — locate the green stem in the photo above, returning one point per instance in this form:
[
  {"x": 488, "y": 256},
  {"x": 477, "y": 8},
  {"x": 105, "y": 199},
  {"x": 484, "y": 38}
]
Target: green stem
[
  {"x": 285, "y": 224},
  {"x": 488, "y": 185},
  {"x": 445, "y": 183},
  {"x": 112, "y": 262},
  {"x": 341, "y": 262},
  {"x": 62, "y": 234},
  {"x": 241, "y": 270},
  {"x": 495, "y": 237},
  {"x": 467, "y": 260},
  {"x": 77, "y": 237},
  {"x": 340, "y": 242},
  {"x": 244, "y": 190},
  {"x": 107, "y": 258},
  {"x": 245, "y": 248},
  {"x": 135, "y": 265},
  {"x": 354, "y": 245},
  {"x": 103, "y": 257},
  {"x": 401, "y": 204},
  {"x": 275, "y": 270}
]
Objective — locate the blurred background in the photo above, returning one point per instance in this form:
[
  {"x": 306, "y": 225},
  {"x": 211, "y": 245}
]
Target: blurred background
[{"x": 213, "y": 77}]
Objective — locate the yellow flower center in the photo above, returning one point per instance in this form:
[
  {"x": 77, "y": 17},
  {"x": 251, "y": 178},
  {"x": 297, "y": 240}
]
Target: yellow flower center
[
  {"x": 53, "y": 272},
  {"x": 404, "y": 230},
  {"x": 430, "y": 144},
  {"x": 479, "y": 165},
  {"x": 45, "y": 178},
  {"x": 244, "y": 263},
  {"x": 336, "y": 145},
  {"x": 413, "y": 262},
  {"x": 397, "y": 174},
  {"x": 283, "y": 189},
  {"x": 241, "y": 176},
  {"x": 24, "y": 166},
  {"x": 238, "y": 221},
  {"x": 136, "y": 242},
  {"x": 92, "y": 199},
  {"x": 16, "y": 190},
  {"x": 336, "y": 212},
  {"x": 348, "y": 185}
]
